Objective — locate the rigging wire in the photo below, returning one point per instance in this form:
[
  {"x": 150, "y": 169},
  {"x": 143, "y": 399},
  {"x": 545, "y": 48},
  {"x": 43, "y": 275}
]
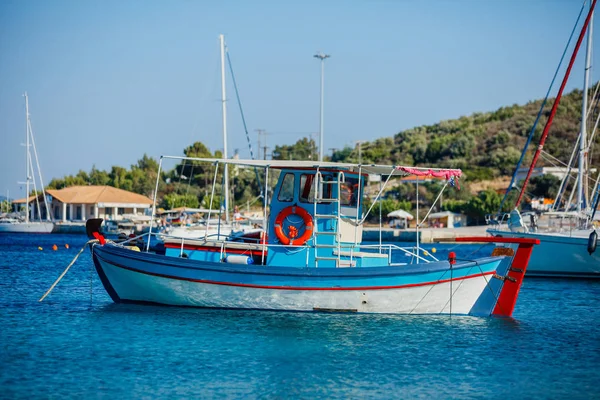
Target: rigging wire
[
  {"x": 239, "y": 101},
  {"x": 562, "y": 186},
  {"x": 556, "y": 102},
  {"x": 512, "y": 181}
]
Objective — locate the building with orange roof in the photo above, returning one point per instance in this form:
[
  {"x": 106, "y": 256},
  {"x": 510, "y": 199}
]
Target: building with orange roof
[{"x": 78, "y": 203}]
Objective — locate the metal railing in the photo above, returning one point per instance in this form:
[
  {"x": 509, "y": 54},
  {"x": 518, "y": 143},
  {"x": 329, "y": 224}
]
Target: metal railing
[
  {"x": 412, "y": 251},
  {"x": 416, "y": 253}
]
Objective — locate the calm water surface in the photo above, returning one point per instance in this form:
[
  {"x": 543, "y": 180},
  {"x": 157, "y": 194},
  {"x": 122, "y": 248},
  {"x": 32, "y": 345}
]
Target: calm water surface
[{"x": 77, "y": 343}]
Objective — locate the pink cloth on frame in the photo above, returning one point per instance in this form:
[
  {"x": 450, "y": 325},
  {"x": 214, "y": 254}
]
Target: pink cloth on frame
[{"x": 444, "y": 173}]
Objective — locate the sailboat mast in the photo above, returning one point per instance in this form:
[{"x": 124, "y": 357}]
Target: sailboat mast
[
  {"x": 27, "y": 158},
  {"x": 555, "y": 105},
  {"x": 223, "y": 101},
  {"x": 583, "y": 133}
]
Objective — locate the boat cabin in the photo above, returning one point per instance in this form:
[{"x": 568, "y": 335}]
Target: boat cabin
[
  {"x": 317, "y": 208},
  {"x": 314, "y": 219}
]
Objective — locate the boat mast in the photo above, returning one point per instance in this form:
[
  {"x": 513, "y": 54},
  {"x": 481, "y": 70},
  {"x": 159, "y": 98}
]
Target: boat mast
[
  {"x": 223, "y": 101},
  {"x": 39, "y": 170},
  {"x": 583, "y": 133},
  {"x": 27, "y": 157},
  {"x": 555, "y": 105}
]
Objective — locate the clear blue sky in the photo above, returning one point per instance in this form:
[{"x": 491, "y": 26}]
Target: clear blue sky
[{"x": 111, "y": 80}]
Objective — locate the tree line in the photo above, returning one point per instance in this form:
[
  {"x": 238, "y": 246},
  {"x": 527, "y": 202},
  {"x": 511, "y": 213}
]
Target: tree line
[{"x": 484, "y": 145}]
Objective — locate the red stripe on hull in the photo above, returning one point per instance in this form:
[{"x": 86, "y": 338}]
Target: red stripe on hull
[{"x": 297, "y": 287}]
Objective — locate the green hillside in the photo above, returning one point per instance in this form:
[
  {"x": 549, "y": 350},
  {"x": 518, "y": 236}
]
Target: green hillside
[{"x": 484, "y": 145}]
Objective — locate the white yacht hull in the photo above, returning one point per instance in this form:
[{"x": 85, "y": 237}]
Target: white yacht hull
[
  {"x": 559, "y": 255},
  {"x": 27, "y": 227}
]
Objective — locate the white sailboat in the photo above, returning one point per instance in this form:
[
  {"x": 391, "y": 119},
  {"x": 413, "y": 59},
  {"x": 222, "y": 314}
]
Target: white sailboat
[
  {"x": 27, "y": 225},
  {"x": 563, "y": 251}
]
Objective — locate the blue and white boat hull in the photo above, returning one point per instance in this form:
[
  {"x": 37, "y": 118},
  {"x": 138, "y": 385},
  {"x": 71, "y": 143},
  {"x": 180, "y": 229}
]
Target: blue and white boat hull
[{"x": 130, "y": 276}]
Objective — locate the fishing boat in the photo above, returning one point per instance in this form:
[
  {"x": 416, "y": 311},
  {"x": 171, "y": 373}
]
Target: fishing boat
[
  {"x": 311, "y": 257},
  {"x": 567, "y": 249},
  {"x": 26, "y": 224}
]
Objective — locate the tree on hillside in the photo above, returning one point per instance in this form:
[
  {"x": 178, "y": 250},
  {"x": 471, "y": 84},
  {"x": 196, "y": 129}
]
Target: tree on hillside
[
  {"x": 119, "y": 179},
  {"x": 486, "y": 202},
  {"x": 303, "y": 149},
  {"x": 98, "y": 177},
  {"x": 174, "y": 200},
  {"x": 143, "y": 175},
  {"x": 341, "y": 155},
  {"x": 491, "y": 140},
  {"x": 199, "y": 172},
  {"x": 544, "y": 186}
]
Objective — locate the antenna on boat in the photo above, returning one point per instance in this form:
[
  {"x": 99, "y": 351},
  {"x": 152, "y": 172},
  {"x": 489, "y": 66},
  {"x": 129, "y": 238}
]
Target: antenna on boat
[{"x": 223, "y": 101}]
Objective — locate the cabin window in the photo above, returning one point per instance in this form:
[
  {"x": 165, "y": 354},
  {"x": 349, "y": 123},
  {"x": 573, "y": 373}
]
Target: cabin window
[
  {"x": 56, "y": 212},
  {"x": 286, "y": 191},
  {"x": 349, "y": 192},
  {"x": 307, "y": 188},
  {"x": 121, "y": 211},
  {"x": 78, "y": 211}
]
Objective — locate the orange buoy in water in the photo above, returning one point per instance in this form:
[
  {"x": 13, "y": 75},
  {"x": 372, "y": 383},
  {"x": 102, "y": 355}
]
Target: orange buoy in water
[
  {"x": 54, "y": 247},
  {"x": 66, "y": 245}
]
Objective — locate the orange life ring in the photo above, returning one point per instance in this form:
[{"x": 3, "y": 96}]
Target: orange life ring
[{"x": 308, "y": 226}]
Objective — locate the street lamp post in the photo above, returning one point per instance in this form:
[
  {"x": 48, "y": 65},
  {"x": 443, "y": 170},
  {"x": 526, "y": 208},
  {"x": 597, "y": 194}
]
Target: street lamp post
[
  {"x": 359, "y": 142},
  {"x": 322, "y": 57}
]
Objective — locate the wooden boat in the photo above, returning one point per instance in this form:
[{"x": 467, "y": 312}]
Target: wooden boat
[{"x": 311, "y": 257}]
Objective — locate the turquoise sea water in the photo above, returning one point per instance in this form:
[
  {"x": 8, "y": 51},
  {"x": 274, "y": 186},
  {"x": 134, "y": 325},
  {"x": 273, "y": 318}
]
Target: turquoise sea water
[{"x": 78, "y": 344}]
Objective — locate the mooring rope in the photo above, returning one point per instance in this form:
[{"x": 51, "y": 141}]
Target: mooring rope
[
  {"x": 67, "y": 269},
  {"x": 91, "y": 284},
  {"x": 425, "y": 295}
]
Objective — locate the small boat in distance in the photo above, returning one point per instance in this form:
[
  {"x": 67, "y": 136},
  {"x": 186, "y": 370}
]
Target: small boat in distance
[
  {"x": 26, "y": 225},
  {"x": 311, "y": 257}
]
